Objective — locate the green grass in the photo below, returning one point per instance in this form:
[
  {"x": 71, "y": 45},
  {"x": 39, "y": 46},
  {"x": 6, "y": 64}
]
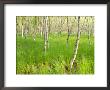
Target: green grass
[{"x": 31, "y": 58}]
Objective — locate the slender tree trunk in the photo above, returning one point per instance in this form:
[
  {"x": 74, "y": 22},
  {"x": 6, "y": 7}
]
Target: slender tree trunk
[
  {"x": 92, "y": 27},
  {"x": 88, "y": 29},
  {"x": 41, "y": 31},
  {"x": 22, "y": 30},
  {"x": 59, "y": 31},
  {"x": 68, "y": 32},
  {"x": 47, "y": 30},
  {"x": 61, "y": 26},
  {"x": 41, "y": 27},
  {"x": 34, "y": 33},
  {"x": 76, "y": 46},
  {"x": 49, "y": 25},
  {"x": 45, "y": 33},
  {"x": 89, "y": 36}
]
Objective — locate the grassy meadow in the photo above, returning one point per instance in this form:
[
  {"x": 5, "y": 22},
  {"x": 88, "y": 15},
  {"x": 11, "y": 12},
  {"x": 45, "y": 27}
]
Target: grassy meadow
[{"x": 31, "y": 58}]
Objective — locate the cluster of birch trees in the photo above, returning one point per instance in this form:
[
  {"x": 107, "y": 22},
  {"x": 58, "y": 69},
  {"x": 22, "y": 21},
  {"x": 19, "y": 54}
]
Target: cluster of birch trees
[
  {"x": 44, "y": 25},
  {"x": 33, "y": 25}
]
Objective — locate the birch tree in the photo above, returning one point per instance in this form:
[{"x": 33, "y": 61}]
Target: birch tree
[
  {"x": 88, "y": 28},
  {"x": 60, "y": 25},
  {"x": 45, "y": 33},
  {"x": 76, "y": 47},
  {"x": 92, "y": 27},
  {"x": 26, "y": 27},
  {"x": 49, "y": 23},
  {"x": 41, "y": 26},
  {"x": 34, "y": 25},
  {"x": 68, "y": 31},
  {"x": 22, "y": 26}
]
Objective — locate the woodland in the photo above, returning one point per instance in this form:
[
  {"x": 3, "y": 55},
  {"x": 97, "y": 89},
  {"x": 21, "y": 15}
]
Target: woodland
[{"x": 55, "y": 44}]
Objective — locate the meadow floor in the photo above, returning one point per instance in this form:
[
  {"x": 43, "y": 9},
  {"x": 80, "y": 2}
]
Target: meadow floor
[{"x": 31, "y": 58}]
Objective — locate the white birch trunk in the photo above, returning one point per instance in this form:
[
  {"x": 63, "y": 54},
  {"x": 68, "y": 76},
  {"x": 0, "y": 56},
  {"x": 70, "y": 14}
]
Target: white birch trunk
[
  {"x": 45, "y": 33},
  {"x": 41, "y": 27},
  {"x": 88, "y": 29},
  {"x": 41, "y": 31},
  {"x": 76, "y": 46},
  {"x": 59, "y": 31}
]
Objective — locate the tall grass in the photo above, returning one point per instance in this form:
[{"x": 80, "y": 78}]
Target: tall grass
[{"x": 31, "y": 58}]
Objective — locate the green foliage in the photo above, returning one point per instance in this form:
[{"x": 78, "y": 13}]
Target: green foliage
[{"x": 31, "y": 58}]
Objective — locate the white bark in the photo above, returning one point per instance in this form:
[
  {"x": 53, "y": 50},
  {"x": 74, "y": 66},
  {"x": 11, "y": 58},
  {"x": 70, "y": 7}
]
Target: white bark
[
  {"x": 88, "y": 29},
  {"x": 41, "y": 27},
  {"x": 76, "y": 46},
  {"x": 45, "y": 33},
  {"x": 60, "y": 30},
  {"x": 41, "y": 31}
]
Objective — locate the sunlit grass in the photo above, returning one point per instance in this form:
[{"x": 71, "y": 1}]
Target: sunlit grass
[{"x": 31, "y": 58}]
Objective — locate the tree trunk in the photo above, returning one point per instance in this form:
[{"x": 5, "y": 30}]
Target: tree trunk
[
  {"x": 49, "y": 25},
  {"x": 89, "y": 36},
  {"x": 22, "y": 30},
  {"x": 68, "y": 32},
  {"x": 76, "y": 46},
  {"x": 59, "y": 32},
  {"x": 88, "y": 29},
  {"x": 41, "y": 31},
  {"x": 41, "y": 27},
  {"x": 45, "y": 33}
]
